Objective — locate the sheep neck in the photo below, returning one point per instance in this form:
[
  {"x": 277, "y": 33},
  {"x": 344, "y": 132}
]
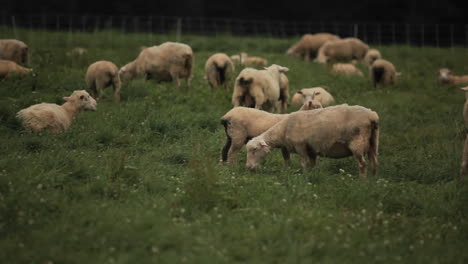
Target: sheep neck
[
  {"x": 71, "y": 109},
  {"x": 274, "y": 136}
]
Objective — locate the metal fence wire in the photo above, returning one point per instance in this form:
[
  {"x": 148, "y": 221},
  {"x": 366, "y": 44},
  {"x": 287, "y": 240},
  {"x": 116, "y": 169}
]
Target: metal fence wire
[{"x": 438, "y": 35}]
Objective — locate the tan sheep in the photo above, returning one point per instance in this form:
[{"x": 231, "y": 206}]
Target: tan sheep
[
  {"x": 166, "y": 62},
  {"x": 14, "y": 50},
  {"x": 334, "y": 132},
  {"x": 446, "y": 77},
  {"x": 100, "y": 75},
  {"x": 316, "y": 93},
  {"x": 310, "y": 104},
  {"x": 10, "y": 68},
  {"x": 259, "y": 88},
  {"x": 242, "y": 124},
  {"x": 238, "y": 59},
  {"x": 56, "y": 118},
  {"x": 219, "y": 70},
  {"x": 346, "y": 49},
  {"x": 250, "y": 61},
  {"x": 383, "y": 72},
  {"x": 307, "y": 48},
  {"x": 346, "y": 69},
  {"x": 371, "y": 56}
]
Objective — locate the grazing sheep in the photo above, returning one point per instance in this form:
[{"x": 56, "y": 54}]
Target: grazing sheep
[
  {"x": 166, "y": 62},
  {"x": 316, "y": 93},
  {"x": 100, "y": 75},
  {"x": 383, "y": 72},
  {"x": 218, "y": 70},
  {"x": 238, "y": 59},
  {"x": 77, "y": 52},
  {"x": 371, "y": 56},
  {"x": 14, "y": 50},
  {"x": 346, "y": 49},
  {"x": 10, "y": 68},
  {"x": 335, "y": 132},
  {"x": 464, "y": 163},
  {"x": 242, "y": 124},
  {"x": 260, "y": 88},
  {"x": 56, "y": 118},
  {"x": 346, "y": 69},
  {"x": 246, "y": 60},
  {"x": 446, "y": 77},
  {"x": 307, "y": 48}
]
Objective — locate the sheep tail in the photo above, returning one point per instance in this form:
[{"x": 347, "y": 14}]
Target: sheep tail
[
  {"x": 188, "y": 62},
  {"x": 377, "y": 75},
  {"x": 221, "y": 76},
  {"x": 374, "y": 145},
  {"x": 227, "y": 146}
]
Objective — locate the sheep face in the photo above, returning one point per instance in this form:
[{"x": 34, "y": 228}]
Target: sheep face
[
  {"x": 310, "y": 104},
  {"x": 124, "y": 74},
  {"x": 257, "y": 149},
  {"x": 279, "y": 68},
  {"x": 82, "y": 100},
  {"x": 444, "y": 75}
]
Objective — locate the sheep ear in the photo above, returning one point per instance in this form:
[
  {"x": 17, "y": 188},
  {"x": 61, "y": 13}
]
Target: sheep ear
[
  {"x": 316, "y": 93},
  {"x": 299, "y": 92},
  {"x": 67, "y": 98},
  {"x": 283, "y": 69},
  {"x": 82, "y": 97},
  {"x": 263, "y": 143},
  {"x": 465, "y": 89}
]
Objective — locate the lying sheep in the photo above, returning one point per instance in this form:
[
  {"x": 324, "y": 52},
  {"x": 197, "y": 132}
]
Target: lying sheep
[
  {"x": 166, "y": 62},
  {"x": 10, "y": 68},
  {"x": 14, "y": 50},
  {"x": 383, "y": 72},
  {"x": 218, "y": 70},
  {"x": 238, "y": 59},
  {"x": 345, "y": 69},
  {"x": 446, "y": 77},
  {"x": 371, "y": 56},
  {"x": 307, "y": 48},
  {"x": 77, "y": 52},
  {"x": 100, "y": 75},
  {"x": 242, "y": 124},
  {"x": 250, "y": 61},
  {"x": 316, "y": 93},
  {"x": 260, "y": 88},
  {"x": 464, "y": 163},
  {"x": 56, "y": 118},
  {"x": 346, "y": 49},
  {"x": 335, "y": 132}
]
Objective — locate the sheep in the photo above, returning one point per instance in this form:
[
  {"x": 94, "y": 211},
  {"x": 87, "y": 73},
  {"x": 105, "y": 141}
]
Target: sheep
[
  {"x": 310, "y": 104},
  {"x": 242, "y": 124},
  {"x": 317, "y": 93},
  {"x": 309, "y": 45},
  {"x": 260, "y": 88},
  {"x": 100, "y": 75},
  {"x": 218, "y": 70},
  {"x": 371, "y": 56},
  {"x": 246, "y": 60},
  {"x": 10, "y": 68},
  {"x": 56, "y": 118},
  {"x": 77, "y": 52},
  {"x": 383, "y": 72},
  {"x": 345, "y": 69},
  {"x": 166, "y": 62},
  {"x": 335, "y": 132},
  {"x": 464, "y": 163},
  {"x": 14, "y": 50},
  {"x": 345, "y": 49},
  {"x": 446, "y": 77}
]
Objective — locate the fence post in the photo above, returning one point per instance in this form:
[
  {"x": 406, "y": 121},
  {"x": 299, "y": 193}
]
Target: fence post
[
  {"x": 466, "y": 35},
  {"x": 178, "y": 29},
  {"x": 451, "y": 36},
  {"x": 393, "y": 34},
  {"x": 408, "y": 34},
  {"x": 379, "y": 34},
  {"x": 422, "y": 35},
  {"x": 13, "y": 24},
  {"x": 437, "y": 35},
  {"x": 356, "y": 30}
]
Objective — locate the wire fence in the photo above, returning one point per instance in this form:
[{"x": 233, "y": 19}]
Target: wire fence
[{"x": 437, "y": 35}]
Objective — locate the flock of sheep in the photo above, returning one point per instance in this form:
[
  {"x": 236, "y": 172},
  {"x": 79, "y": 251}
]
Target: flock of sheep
[{"x": 319, "y": 128}]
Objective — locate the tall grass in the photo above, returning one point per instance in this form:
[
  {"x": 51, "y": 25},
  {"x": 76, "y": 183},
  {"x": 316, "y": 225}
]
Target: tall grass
[{"x": 141, "y": 181}]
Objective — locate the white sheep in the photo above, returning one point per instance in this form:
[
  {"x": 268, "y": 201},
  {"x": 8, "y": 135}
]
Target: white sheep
[
  {"x": 242, "y": 124},
  {"x": 166, "y": 62},
  {"x": 260, "y": 88},
  {"x": 56, "y": 118},
  {"x": 334, "y": 132},
  {"x": 346, "y": 69},
  {"x": 371, "y": 56},
  {"x": 250, "y": 61},
  {"x": 11, "y": 68},
  {"x": 100, "y": 75},
  {"x": 446, "y": 77},
  {"x": 310, "y": 104},
  {"x": 307, "y": 48},
  {"x": 383, "y": 72},
  {"x": 218, "y": 70},
  {"x": 238, "y": 59},
  {"x": 14, "y": 50},
  {"x": 316, "y": 93},
  {"x": 346, "y": 49}
]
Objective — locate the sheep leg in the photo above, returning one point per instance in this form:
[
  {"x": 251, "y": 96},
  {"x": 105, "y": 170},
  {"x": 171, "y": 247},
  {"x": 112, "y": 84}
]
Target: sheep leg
[
  {"x": 175, "y": 78},
  {"x": 236, "y": 145},
  {"x": 302, "y": 151},
  {"x": 286, "y": 156},
  {"x": 362, "y": 164}
]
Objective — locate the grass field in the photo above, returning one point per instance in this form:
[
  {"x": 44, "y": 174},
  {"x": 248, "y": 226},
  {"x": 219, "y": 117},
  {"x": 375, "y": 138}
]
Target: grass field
[{"x": 141, "y": 182}]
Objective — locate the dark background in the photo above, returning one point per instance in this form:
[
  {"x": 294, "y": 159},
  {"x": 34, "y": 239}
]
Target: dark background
[{"x": 401, "y": 11}]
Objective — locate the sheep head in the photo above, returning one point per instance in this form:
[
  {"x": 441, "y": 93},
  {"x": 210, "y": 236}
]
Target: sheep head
[
  {"x": 82, "y": 100},
  {"x": 257, "y": 149}
]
